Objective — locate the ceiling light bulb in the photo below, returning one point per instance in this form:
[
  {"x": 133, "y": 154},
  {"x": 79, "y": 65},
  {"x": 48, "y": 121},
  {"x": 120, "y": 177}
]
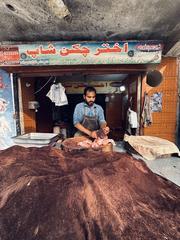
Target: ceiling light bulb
[{"x": 122, "y": 88}]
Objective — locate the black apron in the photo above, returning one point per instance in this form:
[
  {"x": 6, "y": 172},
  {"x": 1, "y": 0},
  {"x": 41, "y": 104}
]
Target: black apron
[{"x": 90, "y": 123}]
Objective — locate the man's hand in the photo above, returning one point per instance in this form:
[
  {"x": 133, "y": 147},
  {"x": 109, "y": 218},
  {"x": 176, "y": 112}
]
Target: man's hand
[{"x": 93, "y": 134}]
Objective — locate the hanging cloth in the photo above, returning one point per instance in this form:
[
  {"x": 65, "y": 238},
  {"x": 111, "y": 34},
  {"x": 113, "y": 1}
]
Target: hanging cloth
[
  {"x": 146, "y": 113},
  {"x": 132, "y": 118},
  {"x": 57, "y": 95}
]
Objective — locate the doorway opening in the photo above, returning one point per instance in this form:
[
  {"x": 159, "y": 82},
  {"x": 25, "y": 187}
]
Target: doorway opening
[{"x": 110, "y": 97}]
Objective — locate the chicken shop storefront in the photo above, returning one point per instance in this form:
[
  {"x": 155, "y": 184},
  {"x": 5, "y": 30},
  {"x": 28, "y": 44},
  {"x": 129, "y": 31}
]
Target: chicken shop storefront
[{"x": 32, "y": 78}]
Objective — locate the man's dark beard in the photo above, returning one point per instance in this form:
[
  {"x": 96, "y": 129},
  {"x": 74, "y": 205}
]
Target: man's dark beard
[{"x": 89, "y": 103}]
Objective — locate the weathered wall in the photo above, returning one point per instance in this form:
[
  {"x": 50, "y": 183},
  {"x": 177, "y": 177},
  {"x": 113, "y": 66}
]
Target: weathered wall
[
  {"x": 178, "y": 123},
  {"x": 41, "y": 20},
  {"x": 164, "y": 123}
]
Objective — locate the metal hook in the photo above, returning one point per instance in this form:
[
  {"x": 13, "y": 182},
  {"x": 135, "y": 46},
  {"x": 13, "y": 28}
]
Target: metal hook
[{"x": 54, "y": 81}]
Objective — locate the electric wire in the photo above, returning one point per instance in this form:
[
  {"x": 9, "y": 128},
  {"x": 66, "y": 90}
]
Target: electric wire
[{"x": 44, "y": 85}]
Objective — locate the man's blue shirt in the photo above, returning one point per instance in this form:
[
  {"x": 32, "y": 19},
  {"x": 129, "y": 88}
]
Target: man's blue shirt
[{"x": 82, "y": 108}]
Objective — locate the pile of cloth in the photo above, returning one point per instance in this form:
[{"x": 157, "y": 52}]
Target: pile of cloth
[
  {"x": 150, "y": 147},
  {"x": 47, "y": 193}
]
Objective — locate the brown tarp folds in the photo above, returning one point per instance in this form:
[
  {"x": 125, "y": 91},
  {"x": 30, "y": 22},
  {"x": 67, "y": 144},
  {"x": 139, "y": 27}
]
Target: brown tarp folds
[{"x": 48, "y": 194}]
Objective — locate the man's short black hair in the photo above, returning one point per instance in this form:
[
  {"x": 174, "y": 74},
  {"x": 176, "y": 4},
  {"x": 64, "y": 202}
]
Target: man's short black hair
[{"x": 89, "y": 89}]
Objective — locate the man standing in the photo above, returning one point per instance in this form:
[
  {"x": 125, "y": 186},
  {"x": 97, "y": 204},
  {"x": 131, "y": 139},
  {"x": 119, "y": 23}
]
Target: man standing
[{"x": 88, "y": 116}]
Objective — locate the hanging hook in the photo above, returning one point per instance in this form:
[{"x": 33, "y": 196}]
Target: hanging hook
[{"x": 54, "y": 81}]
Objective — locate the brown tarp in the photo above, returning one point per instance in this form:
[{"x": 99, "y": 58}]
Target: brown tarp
[{"x": 48, "y": 194}]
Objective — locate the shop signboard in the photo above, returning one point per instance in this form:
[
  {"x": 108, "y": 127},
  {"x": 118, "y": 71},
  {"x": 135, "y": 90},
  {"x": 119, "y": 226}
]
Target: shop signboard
[{"x": 81, "y": 53}]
